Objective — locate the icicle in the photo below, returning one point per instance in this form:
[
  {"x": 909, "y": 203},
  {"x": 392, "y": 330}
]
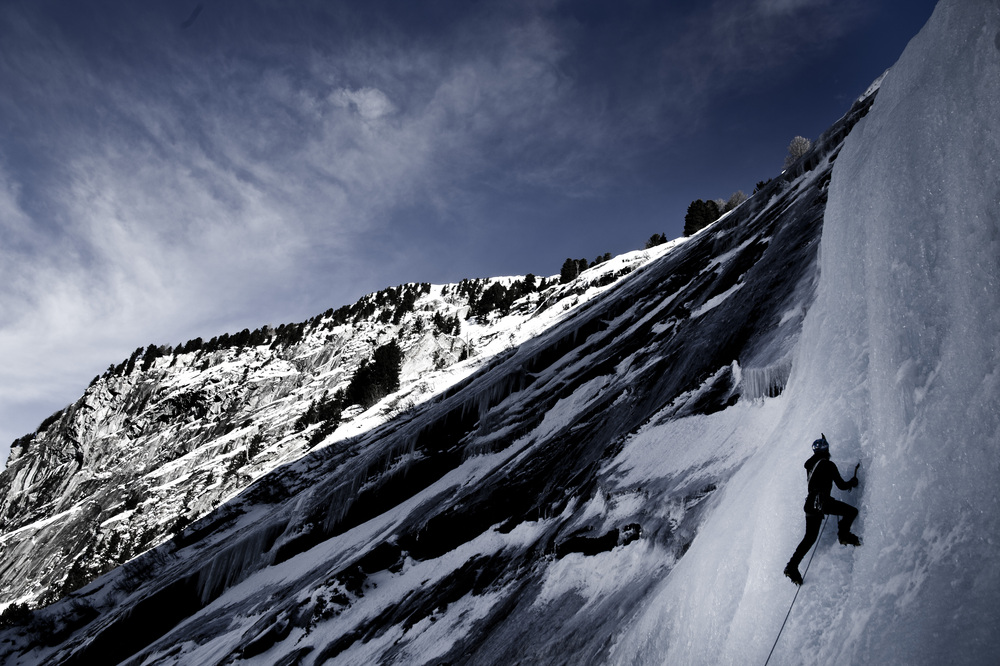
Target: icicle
[
  {"x": 238, "y": 561},
  {"x": 766, "y": 382}
]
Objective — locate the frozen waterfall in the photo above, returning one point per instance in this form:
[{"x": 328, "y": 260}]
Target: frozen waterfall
[{"x": 899, "y": 364}]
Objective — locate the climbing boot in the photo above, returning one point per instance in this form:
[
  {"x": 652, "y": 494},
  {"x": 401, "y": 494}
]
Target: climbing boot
[
  {"x": 792, "y": 572},
  {"x": 848, "y": 539}
]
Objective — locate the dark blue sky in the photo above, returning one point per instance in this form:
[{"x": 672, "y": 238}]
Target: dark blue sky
[{"x": 179, "y": 169}]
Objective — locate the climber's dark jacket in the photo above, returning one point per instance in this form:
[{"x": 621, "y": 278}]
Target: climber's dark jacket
[{"x": 823, "y": 473}]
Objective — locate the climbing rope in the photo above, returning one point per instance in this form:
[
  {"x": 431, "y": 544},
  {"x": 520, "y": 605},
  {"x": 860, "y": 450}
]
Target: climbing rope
[{"x": 814, "y": 548}]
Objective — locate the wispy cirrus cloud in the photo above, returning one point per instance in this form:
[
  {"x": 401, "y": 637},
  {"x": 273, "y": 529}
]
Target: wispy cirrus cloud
[
  {"x": 140, "y": 203},
  {"x": 271, "y": 159}
]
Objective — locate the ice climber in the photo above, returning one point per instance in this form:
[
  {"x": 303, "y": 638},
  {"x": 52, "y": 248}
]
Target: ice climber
[{"x": 822, "y": 473}]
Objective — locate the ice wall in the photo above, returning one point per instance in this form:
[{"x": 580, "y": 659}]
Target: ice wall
[
  {"x": 898, "y": 365},
  {"x": 900, "y": 356}
]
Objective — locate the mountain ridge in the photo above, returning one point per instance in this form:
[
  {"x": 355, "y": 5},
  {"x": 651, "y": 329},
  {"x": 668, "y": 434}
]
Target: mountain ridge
[{"x": 156, "y": 397}]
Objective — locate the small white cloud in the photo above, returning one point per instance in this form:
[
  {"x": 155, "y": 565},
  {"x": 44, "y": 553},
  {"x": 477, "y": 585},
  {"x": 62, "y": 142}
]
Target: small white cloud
[{"x": 369, "y": 103}]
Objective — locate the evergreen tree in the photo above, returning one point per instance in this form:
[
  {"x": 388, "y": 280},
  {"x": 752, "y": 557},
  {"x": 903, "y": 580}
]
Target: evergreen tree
[
  {"x": 149, "y": 357},
  {"x": 405, "y": 304},
  {"x": 658, "y": 239},
  {"x": 496, "y": 298},
  {"x": 16, "y": 615},
  {"x": 130, "y": 364},
  {"x": 714, "y": 209},
  {"x": 446, "y": 325},
  {"x": 23, "y": 442},
  {"x": 377, "y": 379},
  {"x": 258, "y": 337},
  {"x": 699, "y": 215},
  {"x": 570, "y": 269},
  {"x": 326, "y": 411},
  {"x": 241, "y": 339}
]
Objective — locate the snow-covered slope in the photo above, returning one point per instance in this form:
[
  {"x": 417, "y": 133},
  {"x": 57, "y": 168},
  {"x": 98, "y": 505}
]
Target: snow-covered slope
[
  {"x": 153, "y": 445},
  {"x": 625, "y": 484}
]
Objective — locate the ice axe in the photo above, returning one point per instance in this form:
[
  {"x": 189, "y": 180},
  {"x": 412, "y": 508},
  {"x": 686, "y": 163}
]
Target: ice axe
[{"x": 856, "y": 468}]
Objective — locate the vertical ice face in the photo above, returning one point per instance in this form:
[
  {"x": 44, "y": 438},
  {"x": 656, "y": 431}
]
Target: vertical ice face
[
  {"x": 903, "y": 348},
  {"x": 899, "y": 364}
]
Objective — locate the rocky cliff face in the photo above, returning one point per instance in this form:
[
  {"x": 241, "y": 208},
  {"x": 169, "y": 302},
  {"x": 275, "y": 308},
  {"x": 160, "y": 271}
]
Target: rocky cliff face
[
  {"x": 165, "y": 437},
  {"x": 445, "y": 523}
]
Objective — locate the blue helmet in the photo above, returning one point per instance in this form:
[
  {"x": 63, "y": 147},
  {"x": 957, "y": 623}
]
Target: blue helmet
[{"x": 821, "y": 445}]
